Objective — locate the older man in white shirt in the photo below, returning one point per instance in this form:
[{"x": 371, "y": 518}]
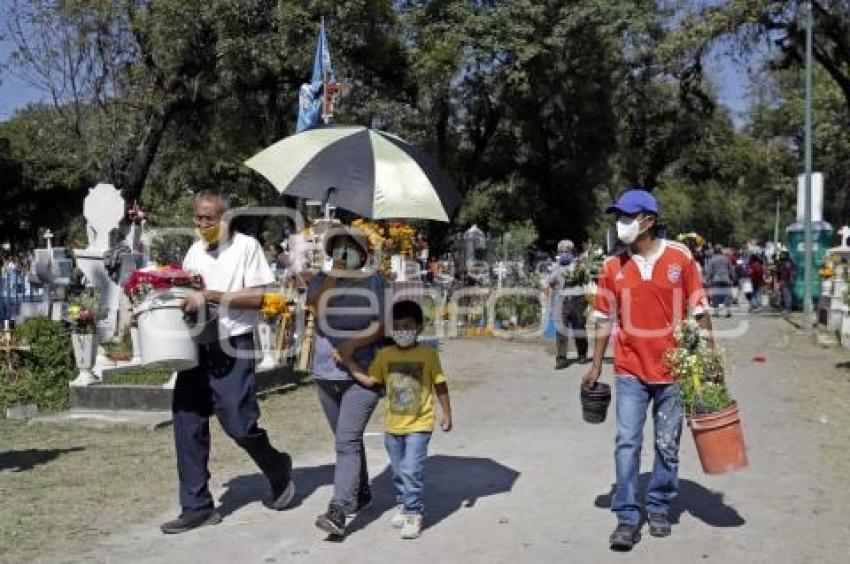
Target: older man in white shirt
[{"x": 235, "y": 272}]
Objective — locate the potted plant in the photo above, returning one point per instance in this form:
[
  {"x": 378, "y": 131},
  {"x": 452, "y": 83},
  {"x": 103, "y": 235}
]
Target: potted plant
[
  {"x": 82, "y": 317},
  {"x": 712, "y": 414},
  {"x": 167, "y": 337},
  {"x": 273, "y": 307}
]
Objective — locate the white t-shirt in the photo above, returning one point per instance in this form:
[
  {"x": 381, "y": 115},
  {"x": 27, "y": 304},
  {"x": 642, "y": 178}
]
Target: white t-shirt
[{"x": 232, "y": 266}]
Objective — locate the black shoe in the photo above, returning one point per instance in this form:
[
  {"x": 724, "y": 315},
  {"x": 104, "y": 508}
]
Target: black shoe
[
  {"x": 561, "y": 362},
  {"x": 189, "y": 520},
  {"x": 625, "y": 537},
  {"x": 283, "y": 486},
  {"x": 332, "y": 522},
  {"x": 659, "y": 525},
  {"x": 364, "y": 502},
  {"x": 583, "y": 360}
]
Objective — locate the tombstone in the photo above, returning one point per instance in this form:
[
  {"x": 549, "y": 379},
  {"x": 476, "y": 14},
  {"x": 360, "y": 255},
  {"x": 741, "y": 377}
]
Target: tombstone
[
  {"x": 51, "y": 269},
  {"x": 103, "y": 209}
]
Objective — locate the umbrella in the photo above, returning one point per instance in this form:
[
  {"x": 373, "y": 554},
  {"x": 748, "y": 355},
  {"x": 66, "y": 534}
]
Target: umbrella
[{"x": 371, "y": 173}]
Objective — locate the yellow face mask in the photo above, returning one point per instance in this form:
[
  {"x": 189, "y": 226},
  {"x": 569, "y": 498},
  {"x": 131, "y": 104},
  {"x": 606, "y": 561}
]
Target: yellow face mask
[{"x": 212, "y": 234}]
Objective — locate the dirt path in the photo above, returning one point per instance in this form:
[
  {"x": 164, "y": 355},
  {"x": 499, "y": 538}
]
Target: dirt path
[{"x": 523, "y": 479}]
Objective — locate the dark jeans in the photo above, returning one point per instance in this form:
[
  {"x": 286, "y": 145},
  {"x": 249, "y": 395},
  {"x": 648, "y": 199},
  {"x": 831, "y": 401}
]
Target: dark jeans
[
  {"x": 574, "y": 319},
  {"x": 721, "y": 294},
  {"x": 222, "y": 385},
  {"x": 348, "y": 407}
]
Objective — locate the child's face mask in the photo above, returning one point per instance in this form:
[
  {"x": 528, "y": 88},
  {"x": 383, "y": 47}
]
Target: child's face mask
[{"x": 405, "y": 338}]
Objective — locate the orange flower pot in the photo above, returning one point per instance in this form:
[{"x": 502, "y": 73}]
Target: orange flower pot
[{"x": 720, "y": 440}]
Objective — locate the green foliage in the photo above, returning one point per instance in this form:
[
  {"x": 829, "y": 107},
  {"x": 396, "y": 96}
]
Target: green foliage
[
  {"x": 44, "y": 371},
  {"x": 170, "y": 248},
  {"x": 526, "y": 309},
  {"x": 541, "y": 111}
]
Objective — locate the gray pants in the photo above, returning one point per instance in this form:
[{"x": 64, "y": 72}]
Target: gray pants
[{"x": 348, "y": 407}]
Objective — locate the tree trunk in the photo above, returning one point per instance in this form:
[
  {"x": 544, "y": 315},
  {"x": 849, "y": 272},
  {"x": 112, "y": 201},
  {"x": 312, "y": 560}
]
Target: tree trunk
[{"x": 141, "y": 153}]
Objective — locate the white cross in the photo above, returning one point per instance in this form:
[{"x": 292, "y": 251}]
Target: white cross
[
  {"x": 845, "y": 236},
  {"x": 500, "y": 270},
  {"x": 48, "y": 235}
]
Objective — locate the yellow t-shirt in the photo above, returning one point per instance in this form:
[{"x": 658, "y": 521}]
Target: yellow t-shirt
[{"x": 409, "y": 376}]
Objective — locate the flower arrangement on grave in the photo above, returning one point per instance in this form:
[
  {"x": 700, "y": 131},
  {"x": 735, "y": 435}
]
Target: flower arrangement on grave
[
  {"x": 700, "y": 371},
  {"x": 827, "y": 269},
  {"x": 402, "y": 238},
  {"x": 82, "y": 313},
  {"x": 274, "y": 306},
  {"x": 144, "y": 282}
]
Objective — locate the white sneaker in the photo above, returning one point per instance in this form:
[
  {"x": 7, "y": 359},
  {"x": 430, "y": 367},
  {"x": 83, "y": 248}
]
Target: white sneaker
[
  {"x": 397, "y": 522},
  {"x": 412, "y": 527}
]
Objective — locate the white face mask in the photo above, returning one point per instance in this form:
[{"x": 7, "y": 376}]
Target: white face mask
[
  {"x": 405, "y": 338},
  {"x": 628, "y": 229},
  {"x": 350, "y": 255}
]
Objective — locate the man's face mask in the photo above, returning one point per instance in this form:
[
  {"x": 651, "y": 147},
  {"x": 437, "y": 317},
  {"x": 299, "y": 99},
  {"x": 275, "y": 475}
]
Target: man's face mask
[
  {"x": 630, "y": 228},
  {"x": 565, "y": 259},
  {"x": 211, "y": 234}
]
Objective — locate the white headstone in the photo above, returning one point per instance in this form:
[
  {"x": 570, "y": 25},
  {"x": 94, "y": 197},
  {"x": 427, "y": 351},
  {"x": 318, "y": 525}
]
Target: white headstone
[{"x": 103, "y": 209}]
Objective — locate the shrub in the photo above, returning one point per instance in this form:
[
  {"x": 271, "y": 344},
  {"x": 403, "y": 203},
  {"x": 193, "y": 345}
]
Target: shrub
[{"x": 44, "y": 371}]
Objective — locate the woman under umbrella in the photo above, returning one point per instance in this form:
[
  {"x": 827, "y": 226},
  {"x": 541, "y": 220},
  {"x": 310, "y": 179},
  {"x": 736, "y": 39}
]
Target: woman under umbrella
[{"x": 348, "y": 303}]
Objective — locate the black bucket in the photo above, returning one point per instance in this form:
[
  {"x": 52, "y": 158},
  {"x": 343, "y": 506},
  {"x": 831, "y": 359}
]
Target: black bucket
[{"x": 595, "y": 402}]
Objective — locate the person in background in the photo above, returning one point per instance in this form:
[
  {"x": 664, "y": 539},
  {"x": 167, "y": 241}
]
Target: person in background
[
  {"x": 785, "y": 274},
  {"x": 719, "y": 276},
  {"x": 565, "y": 289},
  {"x": 422, "y": 250},
  {"x": 755, "y": 271},
  {"x": 235, "y": 274},
  {"x": 433, "y": 270}
]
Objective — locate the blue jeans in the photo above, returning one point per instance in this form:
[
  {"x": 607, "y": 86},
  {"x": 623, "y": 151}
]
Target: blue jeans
[
  {"x": 787, "y": 296},
  {"x": 633, "y": 399},
  {"x": 407, "y": 458}
]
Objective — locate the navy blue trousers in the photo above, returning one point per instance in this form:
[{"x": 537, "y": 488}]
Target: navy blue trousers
[{"x": 224, "y": 386}]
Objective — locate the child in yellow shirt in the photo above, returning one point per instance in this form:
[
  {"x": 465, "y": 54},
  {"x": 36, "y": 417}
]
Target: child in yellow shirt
[{"x": 413, "y": 376}]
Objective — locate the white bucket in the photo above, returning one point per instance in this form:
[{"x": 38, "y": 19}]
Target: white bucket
[{"x": 165, "y": 338}]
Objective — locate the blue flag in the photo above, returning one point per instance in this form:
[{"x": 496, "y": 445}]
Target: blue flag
[{"x": 310, "y": 95}]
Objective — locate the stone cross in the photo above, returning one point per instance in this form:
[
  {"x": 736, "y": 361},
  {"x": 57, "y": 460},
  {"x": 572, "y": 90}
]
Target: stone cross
[
  {"x": 48, "y": 236},
  {"x": 844, "y": 232},
  {"x": 501, "y": 270}
]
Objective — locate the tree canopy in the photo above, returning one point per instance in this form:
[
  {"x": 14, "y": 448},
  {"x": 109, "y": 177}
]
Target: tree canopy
[{"x": 542, "y": 111}]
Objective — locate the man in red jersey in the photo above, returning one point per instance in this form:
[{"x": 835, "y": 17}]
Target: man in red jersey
[{"x": 648, "y": 289}]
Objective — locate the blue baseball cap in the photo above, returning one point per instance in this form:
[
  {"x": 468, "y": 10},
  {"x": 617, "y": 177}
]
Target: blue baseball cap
[{"x": 634, "y": 201}]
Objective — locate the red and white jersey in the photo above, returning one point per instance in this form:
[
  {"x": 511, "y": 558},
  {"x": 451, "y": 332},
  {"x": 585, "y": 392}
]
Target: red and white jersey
[{"x": 649, "y": 297}]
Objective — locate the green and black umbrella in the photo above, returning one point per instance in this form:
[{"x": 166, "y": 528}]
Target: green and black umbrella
[{"x": 371, "y": 173}]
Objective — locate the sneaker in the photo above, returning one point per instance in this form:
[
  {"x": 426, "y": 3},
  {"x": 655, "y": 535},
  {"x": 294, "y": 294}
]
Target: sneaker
[
  {"x": 583, "y": 359},
  {"x": 283, "y": 486},
  {"x": 332, "y": 522},
  {"x": 659, "y": 525},
  {"x": 189, "y": 520},
  {"x": 364, "y": 502},
  {"x": 412, "y": 527},
  {"x": 624, "y": 537},
  {"x": 561, "y": 362},
  {"x": 397, "y": 522}
]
